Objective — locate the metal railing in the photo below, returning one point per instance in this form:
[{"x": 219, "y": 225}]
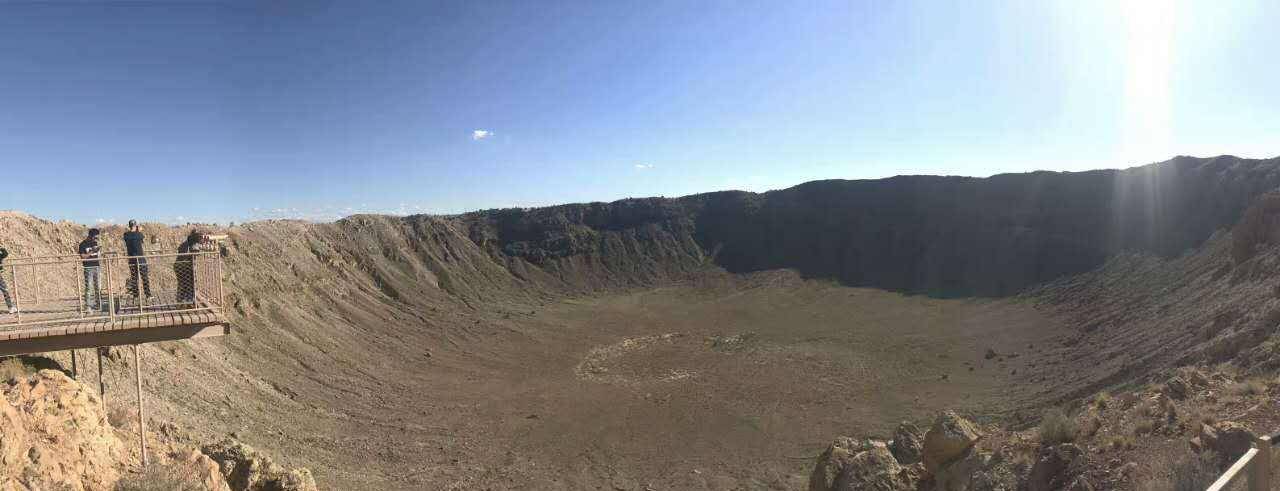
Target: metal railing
[
  {"x": 51, "y": 290},
  {"x": 1257, "y": 463}
]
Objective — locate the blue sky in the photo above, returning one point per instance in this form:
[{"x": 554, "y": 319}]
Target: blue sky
[{"x": 176, "y": 111}]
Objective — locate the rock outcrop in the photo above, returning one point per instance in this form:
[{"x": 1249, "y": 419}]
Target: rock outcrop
[
  {"x": 951, "y": 461},
  {"x": 1227, "y": 439},
  {"x": 54, "y": 435},
  {"x": 948, "y": 440},
  {"x": 849, "y": 464},
  {"x": 907, "y": 444},
  {"x": 247, "y": 469}
]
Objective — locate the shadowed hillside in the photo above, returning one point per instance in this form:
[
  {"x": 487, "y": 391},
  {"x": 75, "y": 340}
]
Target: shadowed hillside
[{"x": 939, "y": 235}]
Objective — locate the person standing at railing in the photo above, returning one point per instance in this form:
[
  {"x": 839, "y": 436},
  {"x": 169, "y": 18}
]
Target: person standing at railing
[
  {"x": 138, "y": 270},
  {"x": 184, "y": 264},
  {"x": 90, "y": 254},
  {"x": 4, "y": 289}
]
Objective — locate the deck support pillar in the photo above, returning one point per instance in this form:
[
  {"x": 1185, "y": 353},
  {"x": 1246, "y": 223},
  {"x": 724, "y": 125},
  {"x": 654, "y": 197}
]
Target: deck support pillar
[
  {"x": 75, "y": 371},
  {"x": 142, "y": 420},
  {"x": 102, "y": 384}
]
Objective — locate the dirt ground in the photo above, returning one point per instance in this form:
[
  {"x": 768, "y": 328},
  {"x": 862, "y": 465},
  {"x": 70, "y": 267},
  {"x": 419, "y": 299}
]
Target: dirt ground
[{"x": 724, "y": 383}]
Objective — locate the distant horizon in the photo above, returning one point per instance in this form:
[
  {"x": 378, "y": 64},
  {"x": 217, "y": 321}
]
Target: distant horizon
[
  {"x": 239, "y": 110},
  {"x": 394, "y": 213}
]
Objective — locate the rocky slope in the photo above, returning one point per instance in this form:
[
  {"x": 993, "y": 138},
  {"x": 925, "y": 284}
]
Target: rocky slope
[{"x": 942, "y": 235}]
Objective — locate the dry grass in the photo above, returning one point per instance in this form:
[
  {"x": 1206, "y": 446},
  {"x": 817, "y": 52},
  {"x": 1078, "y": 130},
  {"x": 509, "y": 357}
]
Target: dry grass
[
  {"x": 1102, "y": 400},
  {"x": 1056, "y": 427},
  {"x": 161, "y": 478},
  {"x": 1184, "y": 472},
  {"x": 1143, "y": 427},
  {"x": 1120, "y": 442},
  {"x": 11, "y": 368},
  {"x": 1251, "y": 387}
]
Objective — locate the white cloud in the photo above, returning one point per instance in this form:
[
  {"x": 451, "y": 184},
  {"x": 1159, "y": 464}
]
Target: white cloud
[
  {"x": 644, "y": 166},
  {"x": 478, "y": 135}
]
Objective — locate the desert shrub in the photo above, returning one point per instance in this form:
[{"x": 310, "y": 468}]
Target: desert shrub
[
  {"x": 1056, "y": 427},
  {"x": 162, "y": 478},
  {"x": 1102, "y": 400},
  {"x": 1120, "y": 442},
  {"x": 1253, "y": 229},
  {"x": 1143, "y": 427},
  {"x": 1126, "y": 399},
  {"x": 1251, "y": 387},
  {"x": 1186, "y": 472},
  {"x": 11, "y": 368}
]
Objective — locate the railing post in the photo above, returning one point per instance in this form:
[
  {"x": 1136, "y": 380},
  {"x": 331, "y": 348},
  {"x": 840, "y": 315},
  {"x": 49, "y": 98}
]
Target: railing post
[
  {"x": 17, "y": 293},
  {"x": 105, "y": 272},
  {"x": 1260, "y": 471}
]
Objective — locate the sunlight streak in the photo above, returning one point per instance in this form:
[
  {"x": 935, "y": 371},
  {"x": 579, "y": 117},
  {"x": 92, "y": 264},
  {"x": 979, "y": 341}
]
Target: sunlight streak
[{"x": 1148, "y": 112}]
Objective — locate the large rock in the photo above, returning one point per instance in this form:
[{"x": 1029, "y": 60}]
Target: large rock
[
  {"x": 948, "y": 439},
  {"x": 1055, "y": 467},
  {"x": 54, "y": 435},
  {"x": 907, "y": 444},
  {"x": 245, "y": 469},
  {"x": 850, "y": 465},
  {"x": 1228, "y": 439},
  {"x": 1176, "y": 388},
  {"x": 976, "y": 471}
]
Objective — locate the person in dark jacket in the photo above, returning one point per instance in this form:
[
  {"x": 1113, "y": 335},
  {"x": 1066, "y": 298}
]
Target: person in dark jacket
[
  {"x": 184, "y": 265},
  {"x": 90, "y": 254},
  {"x": 4, "y": 289},
  {"x": 138, "y": 271}
]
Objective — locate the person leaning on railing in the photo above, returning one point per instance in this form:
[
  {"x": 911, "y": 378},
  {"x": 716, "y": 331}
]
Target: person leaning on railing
[
  {"x": 90, "y": 253},
  {"x": 4, "y": 289},
  {"x": 138, "y": 270},
  {"x": 184, "y": 265}
]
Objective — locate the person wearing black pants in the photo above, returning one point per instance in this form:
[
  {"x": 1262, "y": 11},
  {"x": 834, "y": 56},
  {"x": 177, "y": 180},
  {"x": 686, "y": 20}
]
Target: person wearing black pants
[{"x": 138, "y": 271}]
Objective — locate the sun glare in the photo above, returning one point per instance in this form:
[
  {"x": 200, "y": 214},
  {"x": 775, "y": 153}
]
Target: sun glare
[{"x": 1148, "y": 37}]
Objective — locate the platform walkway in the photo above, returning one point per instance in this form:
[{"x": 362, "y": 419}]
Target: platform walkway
[{"x": 160, "y": 297}]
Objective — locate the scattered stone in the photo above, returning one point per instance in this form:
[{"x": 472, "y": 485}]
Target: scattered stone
[{"x": 990, "y": 354}]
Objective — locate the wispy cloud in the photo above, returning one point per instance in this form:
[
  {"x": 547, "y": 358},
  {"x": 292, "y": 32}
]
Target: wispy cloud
[
  {"x": 644, "y": 166},
  {"x": 478, "y": 135}
]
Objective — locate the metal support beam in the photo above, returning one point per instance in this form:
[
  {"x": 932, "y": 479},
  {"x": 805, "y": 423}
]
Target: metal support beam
[
  {"x": 102, "y": 384},
  {"x": 142, "y": 419}
]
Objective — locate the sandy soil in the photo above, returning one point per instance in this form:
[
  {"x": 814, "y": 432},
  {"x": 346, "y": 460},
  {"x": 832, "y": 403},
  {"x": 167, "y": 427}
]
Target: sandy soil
[{"x": 719, "y": 384}]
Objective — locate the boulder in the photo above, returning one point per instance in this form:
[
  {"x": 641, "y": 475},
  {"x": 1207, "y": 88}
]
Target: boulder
[
  {"x": 976, "y": 471},
  {"x": 907, "y": 444},
  {"x": 948, "y": 439},
  {"x": 245, "y": 469},
  {"x": 850, "y": 464},
  {"x": 1228, "y": 439},
  {"x": 1055, "y": 467},
  {"x": 1176, "y": 388}
]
